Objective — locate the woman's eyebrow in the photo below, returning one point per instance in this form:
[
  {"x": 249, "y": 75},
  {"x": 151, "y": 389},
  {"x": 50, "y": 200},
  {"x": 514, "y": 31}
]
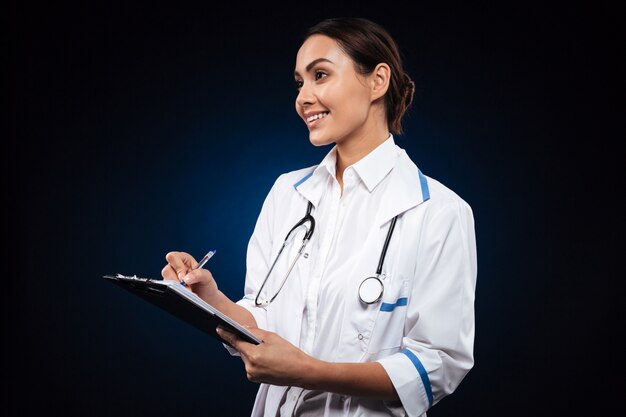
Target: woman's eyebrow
[{"x": 312, "y": 63}]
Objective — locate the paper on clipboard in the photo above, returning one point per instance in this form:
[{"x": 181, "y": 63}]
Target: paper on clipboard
[{"x": 183, "y": 303}]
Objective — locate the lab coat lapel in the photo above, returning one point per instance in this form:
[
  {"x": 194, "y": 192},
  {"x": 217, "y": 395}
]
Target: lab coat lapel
[
  {"x": 312, "y": 184},
  {"x": 310, "y": 187},
  {"x": 407, "y": 188}
]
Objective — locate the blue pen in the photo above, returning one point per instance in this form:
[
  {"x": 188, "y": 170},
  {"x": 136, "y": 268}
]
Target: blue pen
[{"x": 204, "y": 260}]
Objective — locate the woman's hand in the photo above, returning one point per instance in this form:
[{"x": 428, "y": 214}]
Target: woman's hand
[
  {"x": 180, "y": 266},
  {"x": 275, "y": 361}
]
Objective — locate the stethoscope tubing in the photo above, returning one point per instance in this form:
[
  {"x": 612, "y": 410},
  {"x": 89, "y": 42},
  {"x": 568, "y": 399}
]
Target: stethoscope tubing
[
  {"x": 383, "y": 253},
  {"x": 309, "y": 218}
]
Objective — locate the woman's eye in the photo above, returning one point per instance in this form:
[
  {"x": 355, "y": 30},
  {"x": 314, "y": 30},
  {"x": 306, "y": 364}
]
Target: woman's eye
[{"x": 319, "y": 75}]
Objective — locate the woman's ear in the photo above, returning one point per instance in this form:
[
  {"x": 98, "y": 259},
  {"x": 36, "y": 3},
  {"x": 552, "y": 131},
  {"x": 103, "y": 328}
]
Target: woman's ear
[{"x": 380, "y": 78}]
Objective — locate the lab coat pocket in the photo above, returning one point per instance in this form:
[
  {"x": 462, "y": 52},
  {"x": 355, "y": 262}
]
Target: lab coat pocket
[{"x": 389, "y": 327}]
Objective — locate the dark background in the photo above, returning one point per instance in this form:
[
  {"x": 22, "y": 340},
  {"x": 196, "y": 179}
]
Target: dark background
[{"x": 136, "y": 130}]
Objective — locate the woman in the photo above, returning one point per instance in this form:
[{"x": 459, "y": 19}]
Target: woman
[{"x": 341, "y": 336}]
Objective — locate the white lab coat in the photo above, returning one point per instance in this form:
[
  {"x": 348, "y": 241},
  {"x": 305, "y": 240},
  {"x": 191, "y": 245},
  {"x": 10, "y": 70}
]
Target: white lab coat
[{"x": 422, "y": 331}]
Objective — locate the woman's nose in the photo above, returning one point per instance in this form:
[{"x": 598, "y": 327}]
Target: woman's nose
[{"x": 305, "y": 96}]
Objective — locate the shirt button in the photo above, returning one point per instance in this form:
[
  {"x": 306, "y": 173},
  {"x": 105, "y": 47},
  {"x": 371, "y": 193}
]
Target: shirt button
[{"x": 360, "y": 336}]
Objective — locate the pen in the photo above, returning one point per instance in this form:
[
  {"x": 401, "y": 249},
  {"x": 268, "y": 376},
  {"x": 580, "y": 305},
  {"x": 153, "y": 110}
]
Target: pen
[{"x": 203, "y": 261}]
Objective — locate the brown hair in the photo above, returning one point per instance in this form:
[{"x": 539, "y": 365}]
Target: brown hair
[{"x": 369, "y": 44}]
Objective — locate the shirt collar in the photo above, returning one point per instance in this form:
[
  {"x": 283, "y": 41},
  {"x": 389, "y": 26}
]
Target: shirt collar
[
  {"x": 376, "y": 165},
  {"x": 371, "y": 169},
  {"x": 408, "y": 187},
  {"x": 328, "y": 164}
]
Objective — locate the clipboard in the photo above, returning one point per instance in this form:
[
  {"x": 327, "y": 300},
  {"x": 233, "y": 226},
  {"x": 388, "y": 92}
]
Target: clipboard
[{"x": 183, "y": 303}]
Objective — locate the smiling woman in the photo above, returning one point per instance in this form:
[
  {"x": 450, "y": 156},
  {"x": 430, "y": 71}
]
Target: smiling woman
[{"x": 373, "y": 312}]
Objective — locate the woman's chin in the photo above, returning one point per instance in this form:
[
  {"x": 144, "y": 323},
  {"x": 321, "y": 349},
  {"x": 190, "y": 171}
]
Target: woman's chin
[{"x": 319, "y": 140}]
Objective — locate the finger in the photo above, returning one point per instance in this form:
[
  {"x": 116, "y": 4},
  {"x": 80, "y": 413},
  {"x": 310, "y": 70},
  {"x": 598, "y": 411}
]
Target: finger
[
  {"x": 225, "y": 335},
  {"x": 198, "y": 276},
  {"x": 180, "y": 262},
  {"x": 168, "y": 273},
  {"x": 244, "y": 347},
  {"x": 232, "y": 339}
]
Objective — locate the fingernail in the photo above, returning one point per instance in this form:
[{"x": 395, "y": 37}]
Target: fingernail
[
  {"x": 218, "y": 331},
  {"x": 180, "y": 276}
]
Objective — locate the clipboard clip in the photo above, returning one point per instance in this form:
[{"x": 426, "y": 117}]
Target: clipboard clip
[{"x": 118, "y": 275}]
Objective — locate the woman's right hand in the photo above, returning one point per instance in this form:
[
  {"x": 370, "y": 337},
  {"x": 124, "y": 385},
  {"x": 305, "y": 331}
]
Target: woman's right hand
[{"x": 180, "y": 266}]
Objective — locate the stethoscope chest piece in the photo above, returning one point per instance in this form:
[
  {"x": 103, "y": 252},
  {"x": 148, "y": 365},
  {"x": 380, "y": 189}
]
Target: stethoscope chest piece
[{"x": 371, "y": 290}]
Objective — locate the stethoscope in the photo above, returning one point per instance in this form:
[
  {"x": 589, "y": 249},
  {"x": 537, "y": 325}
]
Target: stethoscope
[{"x": 371, "y": 288}]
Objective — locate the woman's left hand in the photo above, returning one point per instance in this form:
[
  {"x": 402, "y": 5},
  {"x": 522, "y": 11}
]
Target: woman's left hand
[{"x": 275, "y": 361}]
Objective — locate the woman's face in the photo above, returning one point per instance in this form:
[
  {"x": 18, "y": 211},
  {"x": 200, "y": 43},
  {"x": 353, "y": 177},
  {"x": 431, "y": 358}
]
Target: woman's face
[{"x": 333, "y": 99}]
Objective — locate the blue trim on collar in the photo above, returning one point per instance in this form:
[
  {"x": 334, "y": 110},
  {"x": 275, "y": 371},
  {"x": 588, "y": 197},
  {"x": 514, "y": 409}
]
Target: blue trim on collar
[
  {"x": 303, "y": 179},
  {"x": 399, "y": 303},
  {"x": 423, "y": 374},
  {"x": 424, "y": 184}
]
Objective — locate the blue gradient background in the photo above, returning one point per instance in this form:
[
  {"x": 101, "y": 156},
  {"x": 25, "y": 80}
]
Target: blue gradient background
[{"x": 139, "y": 130}]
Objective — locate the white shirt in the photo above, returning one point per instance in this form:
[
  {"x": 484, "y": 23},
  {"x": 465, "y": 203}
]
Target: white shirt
[{"x": 421, "y": 331}]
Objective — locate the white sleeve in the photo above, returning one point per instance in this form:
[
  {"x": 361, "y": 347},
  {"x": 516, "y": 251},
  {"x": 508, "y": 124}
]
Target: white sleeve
[
  {"x": 258, "y": 259},
  {"x": 439, "y": 329}
]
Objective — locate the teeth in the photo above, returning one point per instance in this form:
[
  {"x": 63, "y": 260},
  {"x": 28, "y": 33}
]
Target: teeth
[{"x": 316, "y": 116}]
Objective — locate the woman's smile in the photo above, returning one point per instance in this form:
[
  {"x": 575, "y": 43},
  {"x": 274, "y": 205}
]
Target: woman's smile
[{"x": 316, "y": 118}]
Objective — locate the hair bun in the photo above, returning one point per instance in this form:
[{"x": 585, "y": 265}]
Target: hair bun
[{"x": 409, "y": 89}]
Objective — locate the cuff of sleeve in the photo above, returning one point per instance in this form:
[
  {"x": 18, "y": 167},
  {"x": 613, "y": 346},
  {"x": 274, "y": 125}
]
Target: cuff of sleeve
[
  {"x": 259, "y": 316},
  {"x": 259, "y": 313},
  {"x": 410, "y": 379}
]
